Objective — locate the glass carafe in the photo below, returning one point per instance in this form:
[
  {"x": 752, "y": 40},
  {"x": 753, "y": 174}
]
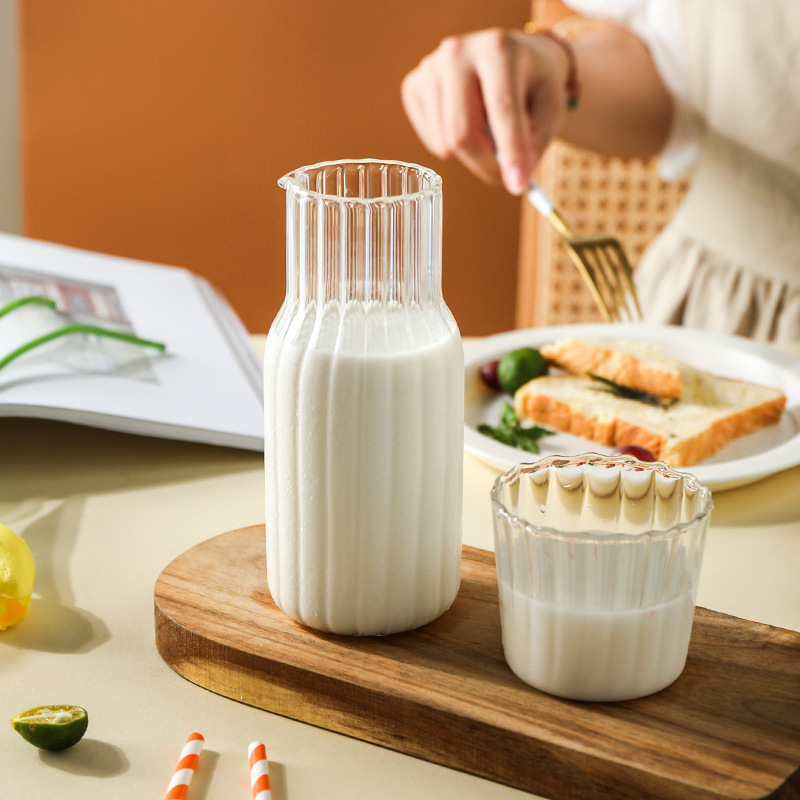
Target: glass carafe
[{"x": 364, "y": 394}]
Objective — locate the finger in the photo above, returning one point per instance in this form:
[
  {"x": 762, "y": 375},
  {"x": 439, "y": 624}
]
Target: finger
[
  {"x": 463, "y": 115},
  {"x": 542, "y": 129},
  {"x": 421, "y": 97},
  {"x": 543, "y": 70},
  {"x": 545, "y": 105},
  {"x": 478, "y": 153},
  {"x": 504, "y": 97}
]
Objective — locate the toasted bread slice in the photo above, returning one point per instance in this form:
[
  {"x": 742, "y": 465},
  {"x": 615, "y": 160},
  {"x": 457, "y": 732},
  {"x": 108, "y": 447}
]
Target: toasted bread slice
[
  {"x": 712, "y": 412},
  {"x": 639, "y": 365}
]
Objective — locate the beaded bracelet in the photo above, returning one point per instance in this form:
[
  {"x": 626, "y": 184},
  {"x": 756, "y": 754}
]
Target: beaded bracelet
[{"x": 573, "y": 87}]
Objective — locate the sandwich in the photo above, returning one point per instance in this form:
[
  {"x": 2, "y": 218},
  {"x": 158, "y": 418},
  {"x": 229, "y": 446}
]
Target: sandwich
[{"x": 619, "y": 393}]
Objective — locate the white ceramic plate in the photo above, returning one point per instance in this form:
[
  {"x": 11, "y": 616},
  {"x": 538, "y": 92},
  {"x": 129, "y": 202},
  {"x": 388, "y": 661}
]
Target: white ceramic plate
[{"x": 743, "y": 461}]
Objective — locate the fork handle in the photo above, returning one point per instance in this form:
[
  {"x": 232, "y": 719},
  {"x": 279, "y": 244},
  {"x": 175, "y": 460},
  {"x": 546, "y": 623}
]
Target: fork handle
[
  {"x": 545, "y": 206},
  {"x": 541, "y": 202}
]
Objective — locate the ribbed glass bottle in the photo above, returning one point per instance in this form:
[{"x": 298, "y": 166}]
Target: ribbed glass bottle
[{"x": 364, "y": 393}]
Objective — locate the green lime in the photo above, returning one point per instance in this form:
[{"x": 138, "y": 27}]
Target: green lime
[
  {"x": 520, "y": 366},
  {"x": 52, "y": 727}
]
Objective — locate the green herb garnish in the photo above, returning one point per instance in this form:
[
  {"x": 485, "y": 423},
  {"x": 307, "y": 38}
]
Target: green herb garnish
[
  {"x": 511, "y": 432},
  {"x": 631, "y": 394}
]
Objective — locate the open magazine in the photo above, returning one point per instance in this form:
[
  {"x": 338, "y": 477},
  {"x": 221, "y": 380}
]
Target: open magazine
[{"x": 125, "y": 345}]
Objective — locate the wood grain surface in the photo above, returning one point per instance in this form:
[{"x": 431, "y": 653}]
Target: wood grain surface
[{"x": 729, "y": 727}]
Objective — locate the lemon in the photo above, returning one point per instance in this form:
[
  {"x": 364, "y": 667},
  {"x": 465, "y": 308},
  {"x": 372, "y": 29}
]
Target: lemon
[
  {"x": 520, "y": 366},
  {"x": 52, "y": 727},
  {"x": 16, "y": 578}
]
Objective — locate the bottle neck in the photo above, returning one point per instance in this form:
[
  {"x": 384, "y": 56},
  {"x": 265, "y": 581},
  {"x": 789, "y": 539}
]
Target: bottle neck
[{"x": 384, "y": 251}]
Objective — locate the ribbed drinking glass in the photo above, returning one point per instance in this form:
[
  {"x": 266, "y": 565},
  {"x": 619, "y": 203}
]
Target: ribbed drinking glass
[{"x": 598, "y": 561}]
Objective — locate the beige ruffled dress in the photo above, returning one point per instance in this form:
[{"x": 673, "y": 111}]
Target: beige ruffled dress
[{"x": 729, "y": 261}]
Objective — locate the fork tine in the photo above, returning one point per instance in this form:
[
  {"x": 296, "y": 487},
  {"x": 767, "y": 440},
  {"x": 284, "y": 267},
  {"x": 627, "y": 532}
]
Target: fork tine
[
  {"x": 605, "y": 277},
  {"x": 587, "y": 270},
  {"x": 607, "y": 255},
  {"x": 600, "y": 260},
  {"x": 605, "y": 268},
  {"x": 624, "y": 275}
]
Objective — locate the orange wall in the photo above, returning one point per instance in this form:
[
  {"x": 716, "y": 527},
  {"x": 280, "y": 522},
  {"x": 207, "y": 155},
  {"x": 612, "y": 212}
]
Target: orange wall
[{"x": 157, "y": 129}]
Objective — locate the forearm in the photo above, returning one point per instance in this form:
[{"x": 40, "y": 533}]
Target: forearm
[{"x": 625, "y": 110}]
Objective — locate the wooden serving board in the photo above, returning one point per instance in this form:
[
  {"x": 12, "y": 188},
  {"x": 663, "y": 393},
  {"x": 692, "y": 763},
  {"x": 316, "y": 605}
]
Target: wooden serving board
[{"x": 729, "y": 727}]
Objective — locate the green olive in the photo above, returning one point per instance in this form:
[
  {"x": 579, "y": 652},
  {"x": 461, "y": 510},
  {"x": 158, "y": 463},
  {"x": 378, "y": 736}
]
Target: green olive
[{"x": 520, "y": 366}]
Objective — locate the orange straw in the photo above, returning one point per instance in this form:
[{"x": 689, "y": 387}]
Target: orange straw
[
  {"x": 184, "y": 770},
  {"x": 259, "y": 771}
]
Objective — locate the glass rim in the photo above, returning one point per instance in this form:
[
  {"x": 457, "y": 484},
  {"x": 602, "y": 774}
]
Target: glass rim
[
  {"x": 595, "y": 537},
  {"x": 288, "y": 181}
]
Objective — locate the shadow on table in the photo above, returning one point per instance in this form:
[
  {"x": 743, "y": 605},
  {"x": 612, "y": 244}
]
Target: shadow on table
[
  {"x": 201, "y": 781},
  {"x": 772, "y": 501},
  {"x": 55, "y": 624},
  {"x": 56, "y": 628},
  {"x": 51, "y": 539},
  {"x": 70, "y": 460},
  {"x": 88, "y": 757},
  {"x": 277, "y": 781}
]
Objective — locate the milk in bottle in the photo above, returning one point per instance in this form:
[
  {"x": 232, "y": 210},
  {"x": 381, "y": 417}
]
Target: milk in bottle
[{"x": 363, "y": 386}]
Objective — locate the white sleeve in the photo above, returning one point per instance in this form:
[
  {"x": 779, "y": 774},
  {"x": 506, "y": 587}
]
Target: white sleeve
[{"x": 659, "y": 24}]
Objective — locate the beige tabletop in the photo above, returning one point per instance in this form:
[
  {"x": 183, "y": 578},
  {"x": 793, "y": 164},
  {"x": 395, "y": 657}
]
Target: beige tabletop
[{"x": 104, "y": 513}]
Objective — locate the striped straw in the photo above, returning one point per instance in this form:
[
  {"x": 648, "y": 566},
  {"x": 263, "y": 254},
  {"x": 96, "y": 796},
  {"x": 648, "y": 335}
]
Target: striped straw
[
  {"x": 259, "y": 771},
  {"x": 184, "y": 770}
]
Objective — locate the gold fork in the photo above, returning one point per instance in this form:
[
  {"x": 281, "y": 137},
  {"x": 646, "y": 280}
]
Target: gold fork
[{"x": 600, "y": 260}]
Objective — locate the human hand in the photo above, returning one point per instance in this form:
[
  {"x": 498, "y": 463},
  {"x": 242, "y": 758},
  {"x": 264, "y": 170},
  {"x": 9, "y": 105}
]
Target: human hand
[{"x": 493, "y": 99}]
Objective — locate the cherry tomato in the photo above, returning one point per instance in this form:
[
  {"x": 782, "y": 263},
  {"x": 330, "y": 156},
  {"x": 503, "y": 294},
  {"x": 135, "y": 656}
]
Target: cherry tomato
[
  {"x": 642, "y": 453},
  {"x": 488, "y": 374}
]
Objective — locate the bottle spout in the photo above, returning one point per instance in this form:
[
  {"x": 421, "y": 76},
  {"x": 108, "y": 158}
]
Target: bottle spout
[{"x": 363, "y": 181}]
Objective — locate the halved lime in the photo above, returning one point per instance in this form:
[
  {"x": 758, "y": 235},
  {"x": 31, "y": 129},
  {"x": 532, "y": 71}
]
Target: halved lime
[
  {"x": 52, "y": 727},
  {"x": 520, "y": 366}
]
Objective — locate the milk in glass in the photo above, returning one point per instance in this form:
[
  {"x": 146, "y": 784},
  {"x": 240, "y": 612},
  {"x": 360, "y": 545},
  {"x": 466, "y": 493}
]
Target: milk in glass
[
  {"x": 595, "y": 654},
  {"x": 598, "y": 559}
]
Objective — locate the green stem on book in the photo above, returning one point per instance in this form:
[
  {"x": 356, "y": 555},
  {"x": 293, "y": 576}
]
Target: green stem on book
[
  {"x": 69, "y": 329},
  {"x": 25, "y": 301}
]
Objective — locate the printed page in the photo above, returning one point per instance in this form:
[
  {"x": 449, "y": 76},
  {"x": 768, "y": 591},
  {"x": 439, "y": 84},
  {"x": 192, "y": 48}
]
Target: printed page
[{"x": 204, "y": 386}]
